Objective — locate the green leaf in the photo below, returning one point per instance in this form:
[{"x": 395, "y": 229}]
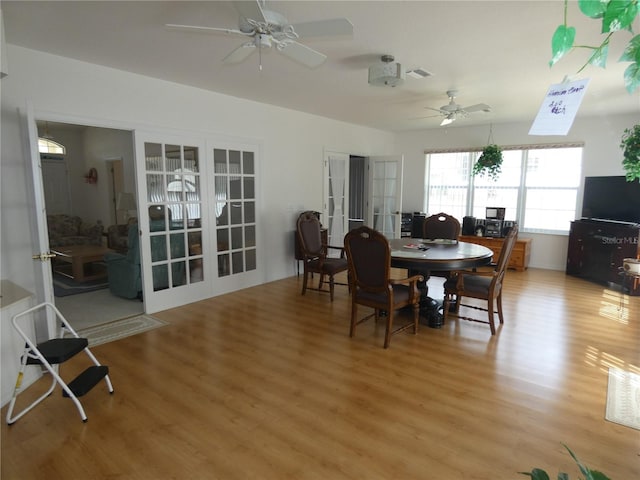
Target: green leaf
[
  {"x": 536, "y": 474},
  {"x": 632, "y": 77},
  {"x": 584, "y": 470},
  {"x": 563, "y": 476},
  {"x": 593, "y": 8},
  {"x": 599, "y": 56},
  {"x": 561, "y": 43},
  {"x": 598, "y": 475},
  {"x": 632, "y": 51},
  {"x": 619, "y": 15}
]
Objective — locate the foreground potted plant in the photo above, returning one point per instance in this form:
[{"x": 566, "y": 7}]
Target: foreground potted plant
[
  {"x": 489, "y": 162},
  {"x": 539, "y": 474},
  {"x": 630, "y": 145}
]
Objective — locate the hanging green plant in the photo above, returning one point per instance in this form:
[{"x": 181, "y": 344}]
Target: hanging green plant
[
  {"x": 630, "y": 145},
  {"x": 489, "y": 162}
]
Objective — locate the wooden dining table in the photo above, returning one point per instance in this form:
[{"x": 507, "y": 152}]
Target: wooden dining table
[{"x": 424, "y": 256}]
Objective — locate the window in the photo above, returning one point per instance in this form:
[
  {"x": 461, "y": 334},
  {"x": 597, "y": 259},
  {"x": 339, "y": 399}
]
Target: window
[
  {"x": 46, "y": 145},
  {"x": 538, "y": 186}
]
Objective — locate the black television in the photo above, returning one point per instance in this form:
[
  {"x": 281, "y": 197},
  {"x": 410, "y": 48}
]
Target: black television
[{"x": 611, "y": 198}]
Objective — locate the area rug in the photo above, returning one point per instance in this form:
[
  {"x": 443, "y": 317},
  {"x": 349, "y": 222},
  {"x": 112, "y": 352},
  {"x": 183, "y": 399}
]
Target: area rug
[
  {"x": 126, "y": 327},
  {"x": 623, "y": 398},
  {"x": 63, "y": 286}
]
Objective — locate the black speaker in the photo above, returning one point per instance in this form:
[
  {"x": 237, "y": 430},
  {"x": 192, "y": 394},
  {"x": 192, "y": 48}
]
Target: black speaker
[
  {"x": 506, "y": 226},
  {"x": 417, "y": 225},
  {"x": 468, "y": 225}
]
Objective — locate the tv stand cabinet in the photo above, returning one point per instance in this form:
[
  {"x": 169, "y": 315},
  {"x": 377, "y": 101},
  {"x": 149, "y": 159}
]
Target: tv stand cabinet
[{"x": 597, "y": 250}]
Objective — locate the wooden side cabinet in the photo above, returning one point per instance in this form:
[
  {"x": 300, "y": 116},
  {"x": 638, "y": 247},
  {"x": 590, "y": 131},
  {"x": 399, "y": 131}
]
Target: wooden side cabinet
[{"x": 519, "y": 257}]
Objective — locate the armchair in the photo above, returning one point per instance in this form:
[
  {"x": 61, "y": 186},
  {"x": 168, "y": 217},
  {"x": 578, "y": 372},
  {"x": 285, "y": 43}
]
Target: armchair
[
  {"x": 315, "y": 255},
  {"x": 369, "y": 258},
  {"x": 123, "y": 270},
  {"x": 485, "y": 286}
]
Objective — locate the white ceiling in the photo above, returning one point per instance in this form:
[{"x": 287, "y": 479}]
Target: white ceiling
[{"x": 493, "y": 52}]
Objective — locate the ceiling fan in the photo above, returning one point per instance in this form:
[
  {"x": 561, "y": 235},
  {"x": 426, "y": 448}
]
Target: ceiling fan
[
  {"x": 266, "y": 28},
  {"x": 452, "y": 111}
]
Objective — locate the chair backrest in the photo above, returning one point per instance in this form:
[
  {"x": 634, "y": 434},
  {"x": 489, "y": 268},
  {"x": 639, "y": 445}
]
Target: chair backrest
[
  {"x": 308, "y": 231},
  {"x": 369, "y": 257},
  {"x": 505, "y": 255},
  {"x": 441, "y": 225}
]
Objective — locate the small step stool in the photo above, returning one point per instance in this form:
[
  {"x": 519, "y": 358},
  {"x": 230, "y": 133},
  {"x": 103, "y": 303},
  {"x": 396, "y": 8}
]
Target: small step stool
[{"x": 50, "y": 354}]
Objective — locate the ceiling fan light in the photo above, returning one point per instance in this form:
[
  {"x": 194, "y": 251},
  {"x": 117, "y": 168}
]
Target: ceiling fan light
[{"x": 449, "y": 119}]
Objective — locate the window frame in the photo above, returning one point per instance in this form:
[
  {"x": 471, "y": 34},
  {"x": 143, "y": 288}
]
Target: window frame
[{"x": 523, "y": 189}]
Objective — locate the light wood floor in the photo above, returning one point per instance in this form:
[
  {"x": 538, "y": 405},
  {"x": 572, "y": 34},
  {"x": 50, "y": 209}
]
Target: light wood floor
[{"x": 266, "y": 384}]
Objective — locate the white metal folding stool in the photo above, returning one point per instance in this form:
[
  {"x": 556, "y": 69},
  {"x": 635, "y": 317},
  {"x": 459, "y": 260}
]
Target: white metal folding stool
[{"x": 50, "y": 354}]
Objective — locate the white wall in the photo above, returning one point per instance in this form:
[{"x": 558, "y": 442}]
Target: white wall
[
  {"x": 69, "y": 91},
  {"x": 602, "y": 156},
  {"x": 292, "y": 147}
]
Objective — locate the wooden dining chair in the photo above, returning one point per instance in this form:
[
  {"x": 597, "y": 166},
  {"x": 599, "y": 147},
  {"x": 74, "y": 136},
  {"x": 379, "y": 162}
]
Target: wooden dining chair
[
  {"x": 481, "y": 285},
  {"x": 315, "y": 254},
  {"x": 369, "y": 257},
  {"x": 441, "y": 226}
]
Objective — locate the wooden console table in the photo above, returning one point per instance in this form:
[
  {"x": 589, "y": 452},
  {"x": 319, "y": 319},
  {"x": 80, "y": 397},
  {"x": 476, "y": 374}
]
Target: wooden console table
[{"x": 519, "y": 256}]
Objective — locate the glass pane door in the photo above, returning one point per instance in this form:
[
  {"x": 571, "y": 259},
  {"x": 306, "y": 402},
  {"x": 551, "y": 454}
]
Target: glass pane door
[
  {"x": 337, "y": 208},
  {"x": 386, "y": 194},
  {"x": 235, "y": 210},
  {"x": 174, "y": 202}
]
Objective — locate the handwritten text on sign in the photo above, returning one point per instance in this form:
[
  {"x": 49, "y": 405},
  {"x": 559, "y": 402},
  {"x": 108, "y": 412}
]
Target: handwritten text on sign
[{"x": 559, "y": 108}]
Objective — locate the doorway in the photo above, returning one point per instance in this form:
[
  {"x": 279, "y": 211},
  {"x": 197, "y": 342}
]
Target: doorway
[
  {"x": 362, "y": 190},
  {"x": 67, "y": 191}
]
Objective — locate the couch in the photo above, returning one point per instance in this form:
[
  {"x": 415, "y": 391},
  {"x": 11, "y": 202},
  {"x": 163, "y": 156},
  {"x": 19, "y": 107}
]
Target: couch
[{"x": 71, "y": 230}]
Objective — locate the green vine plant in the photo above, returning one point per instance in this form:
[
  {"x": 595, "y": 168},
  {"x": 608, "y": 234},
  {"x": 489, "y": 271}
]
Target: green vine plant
[
  {"x": 489, "y": 162},
  {"x": 616, "y": 15},
  {"x": 630, "y": 145},
  {"x": 539, "y": 474}
]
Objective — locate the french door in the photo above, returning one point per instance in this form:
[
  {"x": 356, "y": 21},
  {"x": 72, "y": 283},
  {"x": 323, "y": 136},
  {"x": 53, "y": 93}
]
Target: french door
[
  {"x": 233, "y": 215},
  {"x": 198, "y": 205},
  {"x": 336, "y": 194},
  {"x": 385, "y": 198},
  {"x": 172, "y": 220}
]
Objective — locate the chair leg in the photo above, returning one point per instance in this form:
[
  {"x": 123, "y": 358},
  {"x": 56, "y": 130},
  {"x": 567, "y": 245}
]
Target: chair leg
[
  {"x": 331, "y": 285},
  {"x": 445, "y": 305},
  {"x": 416, "y": 317},
  {"x": 492, "y": 324},
  {"x": 499, "y": 300},
  {"x": 387, "y": 333},
  {"x": 304, "y": 281},
  {"x": 457, "y": 304},
  {"x": 354, "y": 316}
]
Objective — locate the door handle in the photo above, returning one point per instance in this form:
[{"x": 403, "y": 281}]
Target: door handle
[{"x": 43, "y": 257}]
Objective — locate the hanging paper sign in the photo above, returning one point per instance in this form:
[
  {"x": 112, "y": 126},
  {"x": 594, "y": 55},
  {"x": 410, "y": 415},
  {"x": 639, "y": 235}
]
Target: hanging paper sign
[{"x": 559, "y": 108}]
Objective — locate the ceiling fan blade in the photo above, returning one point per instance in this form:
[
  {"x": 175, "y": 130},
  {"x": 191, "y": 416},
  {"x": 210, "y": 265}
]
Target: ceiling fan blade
[
  {"x": 240, "y": 53},
  {"x": 250, "y": 9},
  {"x": 479, "y": 107},
  {"x": 439, "y": 110},
  {"x": 303, "y": 54},
  {"x": 428, "y": 116},
  {"x": 323, "y": 28},
  {"x": 195, "y": 28}
]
